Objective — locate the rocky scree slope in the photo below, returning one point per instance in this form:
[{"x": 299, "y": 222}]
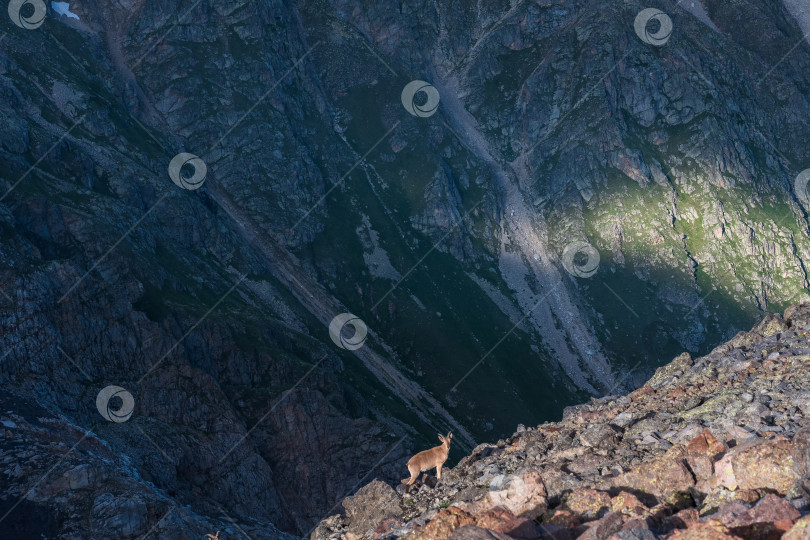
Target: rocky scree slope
[{"x": 716, "y": 447}]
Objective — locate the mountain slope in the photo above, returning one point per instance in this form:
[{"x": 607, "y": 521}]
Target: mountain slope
[
  {"x": 447, "y": 235},
  {"x": 710, "y": 447}
]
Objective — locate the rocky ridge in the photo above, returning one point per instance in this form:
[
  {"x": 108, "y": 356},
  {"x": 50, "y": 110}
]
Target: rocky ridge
[{"x": 713, "y": 447}]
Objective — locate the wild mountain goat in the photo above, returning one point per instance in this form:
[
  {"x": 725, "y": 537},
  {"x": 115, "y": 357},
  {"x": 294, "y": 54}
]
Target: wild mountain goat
[{"x": 427, "y": 459}]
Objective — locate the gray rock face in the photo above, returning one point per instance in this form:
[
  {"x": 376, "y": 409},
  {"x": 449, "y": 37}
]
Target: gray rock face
[
  {"x": 600, "y": 435},
  {"x": 362, "y": 517},
  {"x": 124, "y": 518}
]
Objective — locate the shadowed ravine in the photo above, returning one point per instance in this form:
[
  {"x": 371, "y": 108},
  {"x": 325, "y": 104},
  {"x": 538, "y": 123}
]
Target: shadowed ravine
[{"x": 551, "y": 310}]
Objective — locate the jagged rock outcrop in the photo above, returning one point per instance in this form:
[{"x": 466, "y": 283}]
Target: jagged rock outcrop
[{"x": 712, "y": 447}]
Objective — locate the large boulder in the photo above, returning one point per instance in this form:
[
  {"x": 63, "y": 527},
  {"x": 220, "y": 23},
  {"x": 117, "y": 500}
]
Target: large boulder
[
  {"x": 588, "y": 504},
  {"x": 371, "y": 504},
  {"x": 701, "y": 453},
  {"x": 523, "y": 494},
  {"x": 801, "y": 452},
  {"x": 600, "y": 436},
  {"x": 603, "y": 528},
  {"x": 758, "y": 464},
  {"x": 800, "y": 530},
  {"x": 771, "y": 517},
  {"x": 446, "y": 522},
  {"x": 666, "y": 477}
]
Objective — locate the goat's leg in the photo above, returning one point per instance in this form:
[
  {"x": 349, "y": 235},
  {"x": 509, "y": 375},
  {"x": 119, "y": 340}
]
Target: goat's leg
[
  {"x": 414, "y": 476},
  {"x": 439, "y": 471}
]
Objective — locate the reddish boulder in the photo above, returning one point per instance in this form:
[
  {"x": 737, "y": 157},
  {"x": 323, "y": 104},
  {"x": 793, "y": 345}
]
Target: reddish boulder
[
  {"x": 758, "y": 464},
  {"x": 494, "y": 518},
  {"x": 769, "y": 509},
  {"x": 729, "y": 514},
  {"x": 701, "y": 453},
  {"x": 769, "y": 519},
  {"x": 628, "y": 504},
  {"x": 705, "y": 443},
  {"x": 665, "y": 477},
  {"x": 501, "y": 520},
  {"x": 603, "y": 528},
  {"x": 799, "y": 531},
  {"x": 443, "y": 525}
]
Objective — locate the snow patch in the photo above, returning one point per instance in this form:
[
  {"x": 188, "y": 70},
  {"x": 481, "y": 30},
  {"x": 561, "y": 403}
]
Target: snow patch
[
  {"x": 63, "y": 8},
  {"x": 418, "y": 303},
  {"x": 696, "y": 8},
  {"x": 375, "y": 257}
]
